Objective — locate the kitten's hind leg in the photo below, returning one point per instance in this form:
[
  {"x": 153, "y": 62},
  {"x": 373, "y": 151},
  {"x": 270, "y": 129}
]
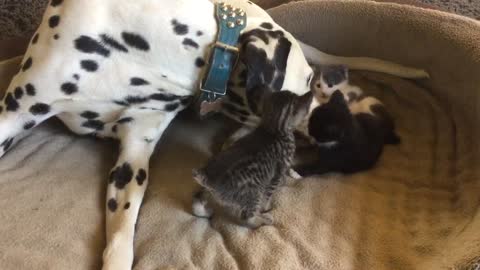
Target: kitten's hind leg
[
  {"x": 252, "y": 218},
  {"x": 293, "y": 174},
  {"x": 200, "y": 207},
  {"x": 258, "y": 220}
]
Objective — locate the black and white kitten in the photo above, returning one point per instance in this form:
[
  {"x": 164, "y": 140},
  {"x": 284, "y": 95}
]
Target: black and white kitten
[
  {"x": 328, "y": 79},
  {"x": 243, "y": 177},
  {"x": 349, "y": 137}
]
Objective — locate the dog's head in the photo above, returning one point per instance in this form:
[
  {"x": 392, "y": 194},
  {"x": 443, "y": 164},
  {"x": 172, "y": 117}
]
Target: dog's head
[{"x": 274, "y": 58}]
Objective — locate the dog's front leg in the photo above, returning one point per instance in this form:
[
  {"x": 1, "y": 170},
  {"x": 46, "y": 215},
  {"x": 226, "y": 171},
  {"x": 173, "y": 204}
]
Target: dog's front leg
[{"x": 127, "y": 184}]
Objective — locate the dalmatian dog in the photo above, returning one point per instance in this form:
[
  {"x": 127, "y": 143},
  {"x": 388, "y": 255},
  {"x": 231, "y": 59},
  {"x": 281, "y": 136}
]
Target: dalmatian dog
[{"x": 123, "y": 69}]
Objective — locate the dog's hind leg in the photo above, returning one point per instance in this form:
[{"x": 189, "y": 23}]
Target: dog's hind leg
[
  {"x": 316, "y": 57},
  {"x": 128, "y": 182},
  {"x": 22, "y": 109}
]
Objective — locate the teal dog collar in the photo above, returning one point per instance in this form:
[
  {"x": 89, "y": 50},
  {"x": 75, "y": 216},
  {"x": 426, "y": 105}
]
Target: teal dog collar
[{"x": 224, "y": 54}]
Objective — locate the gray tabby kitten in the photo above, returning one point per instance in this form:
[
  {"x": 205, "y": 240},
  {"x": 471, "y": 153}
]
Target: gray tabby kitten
[{"x": 243, "y": 177}]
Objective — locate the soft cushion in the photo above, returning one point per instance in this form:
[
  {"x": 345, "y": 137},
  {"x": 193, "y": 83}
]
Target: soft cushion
[{"x": 417, "y": 209}]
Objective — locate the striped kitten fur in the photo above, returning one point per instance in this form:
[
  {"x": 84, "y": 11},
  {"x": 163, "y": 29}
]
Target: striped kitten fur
[{"x": 243, "y": 178}]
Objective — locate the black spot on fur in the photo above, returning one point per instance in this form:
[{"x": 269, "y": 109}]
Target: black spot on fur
[
  {"x": 115, "y": 129},
  {"x": 76, "y": 77},
  {"x": 6, "y": 144},
  {"x": 89, "y": 45},
  {"x": 267, "y": 25},
  {"x": 69, "y": 88},
  {"x": 199, "y": 62},
  {"x": 164, "y": 76},
  {"x": 35, "y": 38},
  {"x": 18, "y": 93},
  {"x": 136, "y": 41},
  {"x": 187, "y": 100},
  {"x": 121, "y": 103},
  {"x": 122, "y": 175},
  {"x": 172, "y": 107},
  {"x": 127, "y": 205},
  {"x": 261, "y": 70},
  {"x": 27, "y": 64},
  {"x": 94, "y": 124},
  {"x": 199, "y": 33},
  {"x": 112, "y": 205},
  {"x": 113, "y": 43},
  {"x": 11, "y": 103},
  {"x": 189, "y": 42},
  {"x": 125, "y": 120},
  {"x": 54, "y": 21},
  {"x": 164, "y": 97},
  {"x": 89, "y": 115},
  {"x": 141, "y": 176},
  {"x": 179, "y": 29},
  {"x": 56, "y": 36},
  {"x": 28, "y": 125},
  {"x": 30, "y": 89},
  {"x": 56, "y": 3},
  {"x": 40, "y": 109},
  {"x": 138, "y": 81},
  {"x": 89, "y": 65},
  {"x": 135, "y": 99}
]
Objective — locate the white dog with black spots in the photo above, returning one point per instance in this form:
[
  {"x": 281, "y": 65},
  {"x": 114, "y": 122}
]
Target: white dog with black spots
[{"x": 123, "y": 69}]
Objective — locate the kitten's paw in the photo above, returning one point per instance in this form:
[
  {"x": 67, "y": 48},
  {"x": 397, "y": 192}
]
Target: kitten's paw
[
  {"x": 267, "y": 219},
  {"x": 258, "y": 221},
  {"x": 266, "y": 210},
  {"x": 293, "y": 174},
  {"x": 200, "y": 209}
]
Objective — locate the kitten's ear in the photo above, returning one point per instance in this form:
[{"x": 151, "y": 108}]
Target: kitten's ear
[
  {"x": 305, "y": 100},
  {"x": 337, "y": 98},
  {"x": 315, "y": 68},
  {"x": 199, "y": 176}
]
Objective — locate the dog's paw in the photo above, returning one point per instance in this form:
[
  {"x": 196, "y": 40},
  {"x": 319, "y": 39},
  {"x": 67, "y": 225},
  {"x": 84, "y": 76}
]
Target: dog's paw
[{"x": 118, "y": 254}]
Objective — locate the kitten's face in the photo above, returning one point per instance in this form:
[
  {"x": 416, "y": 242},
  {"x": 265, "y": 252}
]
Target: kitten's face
[
  {"x": 285, "y": 110},
  {"x": 331, "y": 121},
  {"x": 331, "y": 79},
  {"x": 300, "y": 109}
]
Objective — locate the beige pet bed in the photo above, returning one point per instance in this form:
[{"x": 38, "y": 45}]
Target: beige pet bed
[{"x": 418, "y": 209}]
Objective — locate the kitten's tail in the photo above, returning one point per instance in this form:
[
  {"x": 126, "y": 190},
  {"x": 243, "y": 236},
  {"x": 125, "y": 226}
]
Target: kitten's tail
[
  {"x": 316, "y": 57},
  {"x": 199, "y": 176}
]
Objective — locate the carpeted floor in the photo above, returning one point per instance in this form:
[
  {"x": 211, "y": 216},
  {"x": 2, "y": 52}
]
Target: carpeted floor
[{"x": 20, "y": 18}]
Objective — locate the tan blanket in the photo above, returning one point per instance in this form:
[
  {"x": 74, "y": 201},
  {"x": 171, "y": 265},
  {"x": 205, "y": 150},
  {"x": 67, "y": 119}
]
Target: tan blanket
[{"x": 418, "y": 209}]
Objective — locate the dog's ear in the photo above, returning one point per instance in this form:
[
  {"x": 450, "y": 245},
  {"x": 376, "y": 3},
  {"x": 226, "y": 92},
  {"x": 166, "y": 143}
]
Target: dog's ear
[
  {"x": 261, "y": 93},
  {"x": 256, "y": 62}
]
